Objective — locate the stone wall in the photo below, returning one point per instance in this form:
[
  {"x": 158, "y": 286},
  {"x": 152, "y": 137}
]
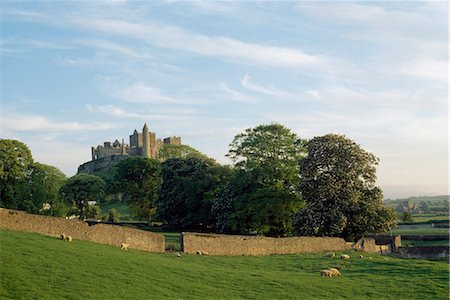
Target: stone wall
[
  {"x": 229, "y": 245},
  {"x": 432, "y": 252},
  {"x": 79, "y": 230}
]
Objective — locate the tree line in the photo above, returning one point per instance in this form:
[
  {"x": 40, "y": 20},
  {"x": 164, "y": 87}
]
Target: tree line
[{"x": 279, "y": 185}]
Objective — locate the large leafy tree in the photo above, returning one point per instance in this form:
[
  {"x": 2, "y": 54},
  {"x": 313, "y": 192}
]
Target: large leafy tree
[
  {"x": 16, "y": 162},
  {"x": 181, "y": 151},
  {"x": 264, "y": 194},
  {"x": 189, "y": 187},
  {"x": 80, "y": 189},
  {"x": 338, "y": 186},
  {"x": 140, "y": 178},
  {"x": 43, "y": 186}
]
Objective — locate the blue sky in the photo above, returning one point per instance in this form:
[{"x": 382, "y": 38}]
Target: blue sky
[{"x": 75, "y": 74}]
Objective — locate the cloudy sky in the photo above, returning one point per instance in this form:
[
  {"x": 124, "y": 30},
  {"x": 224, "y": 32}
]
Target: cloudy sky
[{"x": 75, "y": 74}]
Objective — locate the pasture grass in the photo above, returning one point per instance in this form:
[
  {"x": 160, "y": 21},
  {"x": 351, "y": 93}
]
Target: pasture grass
[
  {"x": 35, "y": 266},
  {"x": 420, "y": 218},
  {"x": 421, "y": 230},
  {"x": 122, "y": 209},
  {"x": 415, "y": 243}
]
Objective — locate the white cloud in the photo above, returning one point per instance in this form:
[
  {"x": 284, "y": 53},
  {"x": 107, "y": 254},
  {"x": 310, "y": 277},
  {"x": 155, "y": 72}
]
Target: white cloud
[
  {"x": 141, "y": 93},
  {"x": 111, "y": 46},
  {"x": 121, "y": 113},
  {"x": 272, "y": 91},
  {"x": 427, "y": 68},
  {"x": 235, "y": 95},
  {"x": 173, "y": 37},
  {"x": 15, "y": 122}
]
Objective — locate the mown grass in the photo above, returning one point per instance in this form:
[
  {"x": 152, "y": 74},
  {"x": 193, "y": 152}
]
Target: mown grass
[
  {"x": 35, "y": 266},
  {"x": 421, "y": 231},
  {"x": 420, "y": 218},
  {"x": 122, "y": 209},
  {"x": 414, "y": 243}
]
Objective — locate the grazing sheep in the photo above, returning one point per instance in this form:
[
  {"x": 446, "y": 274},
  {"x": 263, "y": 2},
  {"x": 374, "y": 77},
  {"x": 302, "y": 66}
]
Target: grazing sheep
[
  {"x": 199, "y": 252},
  {"x": 68, "y": 238},
  {"x": 334, "y": 272},
  {"x": 361, "y": 256},
  {"x": 205, "y": 253},
  {"x": 326, "y": 273},
  {"x": 124, "y": 246},
  {"x": 345, "y": 256},
  {"x": 62, "y": 237},
  {"x": 330, "y": 254},
  {"x": 178, "y": 255}
]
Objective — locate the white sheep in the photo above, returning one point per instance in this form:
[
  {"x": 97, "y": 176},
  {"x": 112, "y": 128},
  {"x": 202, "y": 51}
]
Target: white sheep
[
  {"x": 330, "y": 254},
  {"x": 334, "y": 272},
  {"x": 361, "y": 256},
  {"x": 68, "y": 238},
  {"x": 124, "y": 246},
  {"x": 345, "y": 256},
  {"x": 326, "y": 273},
  {"x": 62, "y": 237},
  {"x": 178, "y": 255},
  {"x": 199, "y": 252}
]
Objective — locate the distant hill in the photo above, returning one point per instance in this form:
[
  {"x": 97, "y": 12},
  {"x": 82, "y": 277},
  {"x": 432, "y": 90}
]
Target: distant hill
[
  {"x": 419, "y": 199},
  {"x": 435, "y": 204}
]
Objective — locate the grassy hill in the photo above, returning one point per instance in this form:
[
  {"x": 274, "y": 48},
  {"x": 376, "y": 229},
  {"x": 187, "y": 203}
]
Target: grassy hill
[
  {"x": 432, "y": 201},
  {"x": 36, "y": 266}
]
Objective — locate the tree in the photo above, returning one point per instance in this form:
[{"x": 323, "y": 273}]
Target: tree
[
  {"x": 140, "y": 178},
  {"x": 423, "y": 206},
  {"x": 407, "y": 217},
  {"x": 189, "y": 187},
  {"x": 79, "y": 190},
  {"x": 181, "y": 151},
  {"x": 338, "y": 186},
  {"x": 15, "y": 167},
  {"x": 263, "y": 194},
  {"x": 43, "y": 186}
]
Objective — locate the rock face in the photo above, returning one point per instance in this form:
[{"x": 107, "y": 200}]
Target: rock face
[{"x": 80, "y": 230}]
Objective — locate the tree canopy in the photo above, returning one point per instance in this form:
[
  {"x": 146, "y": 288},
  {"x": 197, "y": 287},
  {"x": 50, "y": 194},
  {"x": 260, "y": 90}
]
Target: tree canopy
[
  {"x": 263, "y": 194},
  {"x": 43, "y": 186},
  {"x": 15, "y": 166},
  {"x": 25, "y": 184},
  {"x": 140, "y": 178},
  {"x": 338, "y": 186},
  {"x": 79, "y": 190},
  {"x": 181, "y": 151},
  {"x": 189, "y": 187}
]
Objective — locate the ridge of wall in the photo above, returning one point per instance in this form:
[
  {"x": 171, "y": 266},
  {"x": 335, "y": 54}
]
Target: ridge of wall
[
  {"x": 80, "y": 230},
  {"x": 231, "y": 245}
]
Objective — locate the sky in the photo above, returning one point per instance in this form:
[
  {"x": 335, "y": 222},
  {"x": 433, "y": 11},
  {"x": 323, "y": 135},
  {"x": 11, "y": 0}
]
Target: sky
[{"x": 76, "y": 74}]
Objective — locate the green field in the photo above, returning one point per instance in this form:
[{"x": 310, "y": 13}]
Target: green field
[
  {"x": 35, "y": 266},
  {"x": 421, "y": 231},
  {"x": 424, "y": 243},
  {"x": 122, "y": 209},
  {"x": 420, "y": 218}
]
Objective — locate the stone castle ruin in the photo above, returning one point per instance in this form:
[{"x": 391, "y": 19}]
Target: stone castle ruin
[{"x": 141, "y": 144}]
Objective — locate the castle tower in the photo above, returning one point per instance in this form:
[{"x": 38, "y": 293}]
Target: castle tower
[
  {"x": 146, "y": 151},
  {"x": 123, "y": 152}
]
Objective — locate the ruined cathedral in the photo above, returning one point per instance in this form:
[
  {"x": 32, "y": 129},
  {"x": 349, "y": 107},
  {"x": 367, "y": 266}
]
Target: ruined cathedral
[{"x": 141, "y": 144}]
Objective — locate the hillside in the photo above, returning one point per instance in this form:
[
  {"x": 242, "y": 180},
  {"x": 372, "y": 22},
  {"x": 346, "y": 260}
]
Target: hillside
[
  {"x": 35, "y": 266},
  {"x": 418, "y": 199}
]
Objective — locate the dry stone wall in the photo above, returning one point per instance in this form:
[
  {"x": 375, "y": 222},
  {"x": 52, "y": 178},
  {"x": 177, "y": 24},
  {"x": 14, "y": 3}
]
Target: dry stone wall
[
  {"x": 229, "y": 245},
  {"x": 79, "y": 230}
]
